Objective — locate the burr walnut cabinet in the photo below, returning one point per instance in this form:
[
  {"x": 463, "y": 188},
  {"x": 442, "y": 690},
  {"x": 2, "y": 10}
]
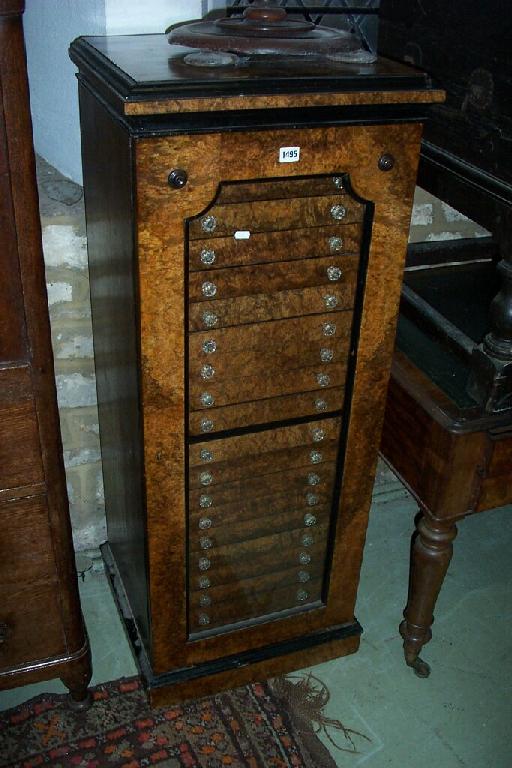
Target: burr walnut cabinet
[
  {"x": 42, "y": 635},
  {"x": 246, "y": 231}
]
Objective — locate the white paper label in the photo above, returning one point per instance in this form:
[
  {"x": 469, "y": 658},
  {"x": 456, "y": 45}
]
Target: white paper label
[
  {"x": 242, "y": 234},
  {"x": 289, "y": 154}
]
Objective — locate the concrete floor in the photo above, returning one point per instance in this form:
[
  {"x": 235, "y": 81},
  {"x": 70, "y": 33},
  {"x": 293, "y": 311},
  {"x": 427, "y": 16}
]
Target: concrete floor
[{"x": 460, "y": 716}]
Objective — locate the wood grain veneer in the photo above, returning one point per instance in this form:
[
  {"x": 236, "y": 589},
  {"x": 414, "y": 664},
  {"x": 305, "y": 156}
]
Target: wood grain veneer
[{"x": 268, "y": 314}]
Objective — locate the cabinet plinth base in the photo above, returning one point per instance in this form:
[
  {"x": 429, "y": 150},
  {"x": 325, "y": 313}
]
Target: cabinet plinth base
[{"x": 229, "y": 671}]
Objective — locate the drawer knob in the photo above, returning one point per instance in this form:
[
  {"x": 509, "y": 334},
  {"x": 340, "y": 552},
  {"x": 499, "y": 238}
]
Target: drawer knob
[
  {"x": 320, "y": 405},
  {"x": 338, "y": 182},
  {"x": 207, "y": 372},
  {"x": 207, "y": 400},
  {"x": 338, "y": 212},
  {"x": 208, "y": 224},
  {"x": 206, "y": 455},
  {"x": 205, "y": 501},
  {"x": 204, "y": 563},
  {"x": 303, "y": 576},
  {"x": 307, "y": 540},
  {"x": 317, "y": 434},
  {"x": 329, "y": 329},
  {"x": 330, "y": 301},
  {"x": 206, "y": 478},
  {"x": 386, "y": 162},
  {"x": 313, "y": 478},
  {"x": 206, "y": 425},
  {"x": 209, "y": 319},
  {"x": 208, "y": 289},
  {"x": 326, "y": 355},
  {"x": 205, "y": 523},
  {"x": 203, "y": 619},
  {"x": 323, "y": 379},
  {"x": 316, "y": 457},
  {"x": 177, "y": 178},
  {"x": 205, "y": 542},
  {"x": 304, "y": 558},
  {"x": 309, "y": 519},
  {"x": 207, "y": 256},
  {"x": 209, "y": 346},
  {"x": 334, "y": 273},
  {"x": 302, "y": 595},
  {"x": 311, "y": 501},
  {"x": 205, "y": 600},
  {"x": 335, "y": 244},
  {"x": 204, "y": 582}
]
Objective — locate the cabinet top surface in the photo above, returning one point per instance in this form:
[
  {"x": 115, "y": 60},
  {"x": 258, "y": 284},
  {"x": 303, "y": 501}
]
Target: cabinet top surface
[{"x": 144, "y": 71}]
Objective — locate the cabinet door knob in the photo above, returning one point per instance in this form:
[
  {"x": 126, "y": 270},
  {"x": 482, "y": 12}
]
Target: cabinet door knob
[
  {"x": 386, "y": 162},
  {"x": 177, "y": 178}
]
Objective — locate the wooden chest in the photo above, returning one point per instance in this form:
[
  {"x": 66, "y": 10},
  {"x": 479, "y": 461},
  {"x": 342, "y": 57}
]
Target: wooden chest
[{"x": 246, "y": 239}]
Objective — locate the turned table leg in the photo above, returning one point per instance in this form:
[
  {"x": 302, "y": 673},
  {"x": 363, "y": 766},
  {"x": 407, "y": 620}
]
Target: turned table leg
[{"x": 430, "y": 557}]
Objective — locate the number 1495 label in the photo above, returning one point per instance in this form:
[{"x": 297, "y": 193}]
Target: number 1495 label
[{"x": 289, "y": 154}]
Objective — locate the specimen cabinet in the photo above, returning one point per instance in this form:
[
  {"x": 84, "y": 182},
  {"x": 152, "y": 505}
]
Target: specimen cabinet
[
  {"x": 42, "y": 635},
  {"x": 246, "y": 229}
]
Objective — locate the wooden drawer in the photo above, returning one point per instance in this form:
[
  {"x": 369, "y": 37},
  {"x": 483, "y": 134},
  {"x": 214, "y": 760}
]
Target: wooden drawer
[
  {"x": 225, "y": 529},
  {"x": 330, "y": 272},
  {"x": 263, "y": 307},
  {"x": 289, "y": 481},
  {"x": 33, "y": 622},
  {"x": 313, "y": 435},
  {"x": 279, "y": 189},
  {"x": 266, "y": 411},
  {"x": 268, "y": 216},
  {"x": 264, "y": 247},
  {"x": 281, "y": 342},
  {"x": 26, "y": 553},
  {"x": 253, "y": 604},
  {"x": 20, "y": 453},
  {"x": 259, "y": 465},
  {"x": 265, "y": 383},
  {"x": 234, "y": 562}
]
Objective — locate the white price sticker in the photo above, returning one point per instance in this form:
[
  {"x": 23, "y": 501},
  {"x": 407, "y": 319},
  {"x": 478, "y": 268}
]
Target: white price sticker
[{"x": 289, "y": 154}]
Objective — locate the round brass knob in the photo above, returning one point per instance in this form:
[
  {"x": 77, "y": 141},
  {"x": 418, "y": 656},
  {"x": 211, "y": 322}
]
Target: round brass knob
[
  {"x": 210, "y": 319},
  {"x": 207, "y": 256},
  {"x": 208, "y": 224},
  {"x": 316, "y": 457},
  {"x": 206, "y": 455}
]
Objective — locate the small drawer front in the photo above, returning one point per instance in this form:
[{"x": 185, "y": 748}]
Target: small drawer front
[
  {"x": 313, "y": 435},
  {"x": 280, "y": 189},
  {"x": 279, "y": 342},
  {"x": 26, "y": 553},
  {"x": 209, "y": 315},
  {"x": 265, "y": 411},
  {"x": 214, "y": 530},
  {"x": 268, "y": 278},
  {"x": 271, "y": 215},
  {"x": 266, "y": 383},
  {"x": 264, "y": 247},
  {"x": 30, "y": 624},
  {"x": 207, "y": 613},
  {"x": 20, "y": 453},
  {"x": 294, "y": 480}
]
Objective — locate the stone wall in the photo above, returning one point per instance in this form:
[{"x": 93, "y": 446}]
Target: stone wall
[{"x": 65, "y": 251}]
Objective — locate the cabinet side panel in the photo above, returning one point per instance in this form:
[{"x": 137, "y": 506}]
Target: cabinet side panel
[{"x": 106, "y": 155}]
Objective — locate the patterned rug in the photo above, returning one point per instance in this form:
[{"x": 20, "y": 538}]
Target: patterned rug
[{"x": 264, "y": 725}]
